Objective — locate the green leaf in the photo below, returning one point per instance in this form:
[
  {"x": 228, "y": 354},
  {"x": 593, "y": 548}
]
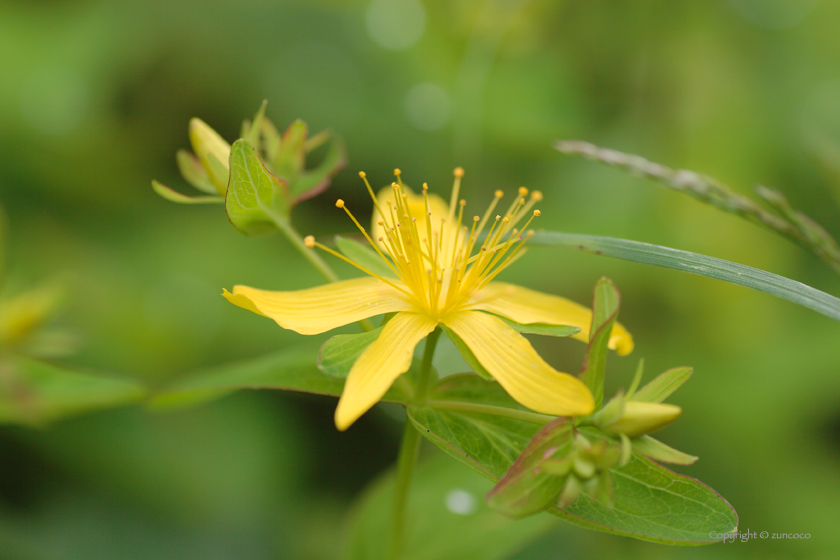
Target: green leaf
[
  {"x": 255, "y": 198},
  {"x": 364, "y": 256},
  {"x": 35, "y": 393},
  {"x": 663, "y": 385},
  {"x": 289, "y": 159},
  {"x": 487, "y": 443},
  {"x": 251, "y": 129},
  {"x": 658, "y": 451},
  {"x": 541, "y": 328},
  {"x": 448, "y": 519},
  {"x": 655, "y": 504},
  {"x": 526, "y": 489},
  {"x": 339, "y": 353},
  {"x": 693, "y": 263},
  {"x": 194, "y": 173},
  {"x": 466, "y": 353},
  {"x": 605, "y": 303},
  {"x": 174, "y": 196},
  {"x": 292, "y": 369},
  {"x": 314, "y": 181},
  {"x": 651, "y": 502}
]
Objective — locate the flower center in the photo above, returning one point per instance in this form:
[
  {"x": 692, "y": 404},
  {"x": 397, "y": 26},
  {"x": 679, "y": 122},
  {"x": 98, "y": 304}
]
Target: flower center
[{"x": 441, "y": 262}]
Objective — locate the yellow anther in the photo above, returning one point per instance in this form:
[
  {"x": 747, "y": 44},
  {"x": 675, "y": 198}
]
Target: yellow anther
[
  {"x": 339, "y": 203},
  {"x": 362, "y": 174},
  {"x": 476, "y": 218},
  {"x": 395, "y": 186},
  {"x": 397, "y": 172},
  {"x": 523, "y": 191},
  {"x": 499, "y": 194},
  {"x": 498, "y": 217},
  {"x": 463, "y": 202},
  {"x": 536, "y": 195},
  {"x": 309, "y": 242},
  {"x": 381, "y": 239},
  {"x": 537, "y": 212},
  {"x": 504, "y": 221},
  {"x": 530, "y": 233},
  {"x": 425, "y": 186},
  {"x": 458, "y": 172}
]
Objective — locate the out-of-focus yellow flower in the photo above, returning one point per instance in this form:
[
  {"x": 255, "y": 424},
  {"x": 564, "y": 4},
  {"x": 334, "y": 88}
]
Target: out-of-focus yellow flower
[{"x": 443, "y": 272}]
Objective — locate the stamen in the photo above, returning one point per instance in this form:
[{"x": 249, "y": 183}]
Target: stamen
[
  {"x": 340, "y": 204},
  {"x": 498, "y": 195},
  {"x": 458, "y": 172}
]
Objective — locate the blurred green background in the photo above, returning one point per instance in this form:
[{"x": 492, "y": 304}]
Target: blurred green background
[{"x": 94, "y": 102}]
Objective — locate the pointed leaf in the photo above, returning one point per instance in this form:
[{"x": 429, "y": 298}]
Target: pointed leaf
[
  {"x": 661, "y": 387},
  {"x": 760, "y": 280},
  {"x": 194, "y": 173},
  {"x": 658, "y": 451},
  {"x": 255, "y": 198},
  {"x": 339, "y": 353},
  {"x": 251, "y": 129},
  {"x": 526, "y": 489},
  {"x": 542, "y": 328},
  {"x": 605, "y": 304},
  {"x": 315, "y": 181},
  {"x": 289, "y": 160},
  {"x": 363, "y": 255},
  {"x": 448, "y": 519},
  {"x": 292, "y": 369},
  {"x": 174, "y": 196},
  {"x": 35, "y": 393}
]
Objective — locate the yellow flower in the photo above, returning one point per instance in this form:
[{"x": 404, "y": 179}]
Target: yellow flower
[{"x": 443, "y": 273}]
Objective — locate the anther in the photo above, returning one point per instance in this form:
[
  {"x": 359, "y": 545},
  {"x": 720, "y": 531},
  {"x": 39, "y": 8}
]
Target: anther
[
  {"x": 339, "y": 203},
  {"x": 537, "y": 212},
  {"x": 523, "y": 191},
  {"x": 499, "y": 193},
  {"x": 309, "y": 242},
  {"x": 362, "y": 174},
  {"x": 397, "y": 172},
  {"x": 463, "y": 202},
  {"x": 504, "y": 221},
  {"x": 395, "y": 186},
  {"x": 498, "y": 217},
  {"x": 458, "y": 172},
  {"x": 476, "y": 218},
  {"x": 536, "y": 195},
  {"x": 425, "y": 186}
]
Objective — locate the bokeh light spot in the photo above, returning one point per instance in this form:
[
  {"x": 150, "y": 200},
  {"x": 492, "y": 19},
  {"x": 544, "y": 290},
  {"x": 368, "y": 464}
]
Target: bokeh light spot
[
  {"x": 461, "y": 502},
  {"x": 427, "y": 107},
  {"x": 395, "y": 24},
  {"x": 774, "y": 14}
]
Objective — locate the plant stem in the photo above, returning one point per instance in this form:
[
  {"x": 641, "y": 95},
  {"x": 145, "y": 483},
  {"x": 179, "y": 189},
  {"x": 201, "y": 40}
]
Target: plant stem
[
  {"x": 294, "y": 237},
  {"x": 409, "y": 449},
  {"x": 285, "y": 225},
  {"x": 426, "y": 366},
  {"x": 524, "y": 415}
]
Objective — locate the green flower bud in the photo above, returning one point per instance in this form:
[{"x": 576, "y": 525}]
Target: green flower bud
[
  {"x": 641, "y": 418},
  {"x": 212, "y": 151}
]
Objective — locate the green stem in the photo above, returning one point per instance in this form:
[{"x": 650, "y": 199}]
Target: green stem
[
  {"x": 524, "y": 415},
  {"x": 409, "y": 449},
  {"x": 294, "y": 237},
  {"x": 285, "y": 225},
  {"x": 426, "y": 366}
]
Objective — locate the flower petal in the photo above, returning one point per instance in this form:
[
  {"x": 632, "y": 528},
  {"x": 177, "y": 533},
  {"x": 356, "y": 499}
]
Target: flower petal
[
  {"x": 380, "y": 364},
  {"x": 514, "y": 363},
  {"x": 528, "y": 306},
  {"x": 324, "y": 308}
]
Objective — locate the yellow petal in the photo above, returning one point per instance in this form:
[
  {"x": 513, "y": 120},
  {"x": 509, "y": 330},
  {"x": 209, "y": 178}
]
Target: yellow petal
[
  {"x": 528, "y": 306},
  {"x": 514, "y": 363},
  {"x": 324, "y": 308},
  {"x": 380, "y": 364}
]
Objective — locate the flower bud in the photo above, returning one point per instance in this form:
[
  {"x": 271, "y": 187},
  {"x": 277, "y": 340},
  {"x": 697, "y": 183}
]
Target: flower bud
[
  {"x": 213, "y": 152},
  {"x": 640, "y": 418}
]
